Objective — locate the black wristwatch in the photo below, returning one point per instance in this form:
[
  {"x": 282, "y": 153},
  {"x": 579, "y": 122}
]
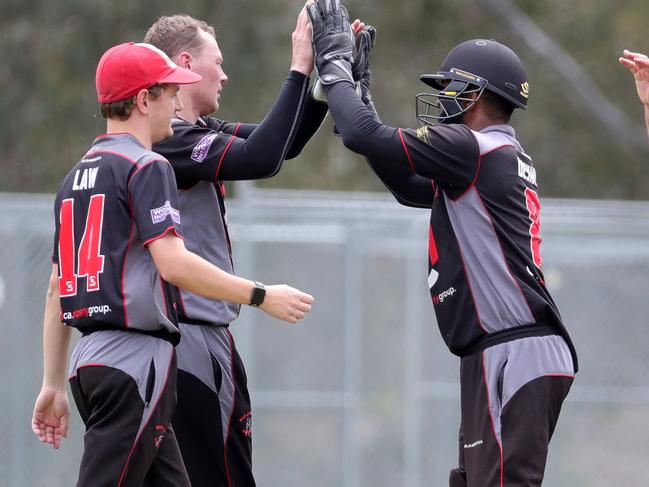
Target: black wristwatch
[{"x": 258, "y": 294}]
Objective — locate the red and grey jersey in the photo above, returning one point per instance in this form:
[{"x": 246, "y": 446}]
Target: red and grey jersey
[
  {"x": 196, "y": 152},
  {"x": 211, "y": 151},
  {"x": 484, "y": 238},
  {"x": 484, "y": 253},
  {"x": 115, "y": 201}
]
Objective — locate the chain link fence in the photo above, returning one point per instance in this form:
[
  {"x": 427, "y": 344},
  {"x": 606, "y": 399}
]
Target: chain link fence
[{"x": 363, "y": 392}]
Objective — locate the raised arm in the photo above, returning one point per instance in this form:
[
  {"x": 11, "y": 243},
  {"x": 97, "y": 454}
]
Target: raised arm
[
  {"x": 309, "y": 121},
  {"x": 448, "y": 155},
  {"x": 383, "y": 147},
  {"x": 290, "y": 123},
  {"x": 638, "y": 64},
  {"x": 355, "y": 117},
  {"x": 214, "y": 150}
]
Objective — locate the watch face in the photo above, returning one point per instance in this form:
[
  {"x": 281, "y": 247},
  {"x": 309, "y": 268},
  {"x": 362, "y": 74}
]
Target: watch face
[{"x": 258, "y": 294}]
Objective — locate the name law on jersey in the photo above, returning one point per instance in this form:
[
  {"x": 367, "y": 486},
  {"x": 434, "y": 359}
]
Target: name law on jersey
[{"x": 85, "y": 179}]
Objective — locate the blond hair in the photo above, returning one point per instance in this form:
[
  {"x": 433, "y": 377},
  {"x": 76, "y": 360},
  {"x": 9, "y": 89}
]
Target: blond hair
[{"x": 177, "y": 33}]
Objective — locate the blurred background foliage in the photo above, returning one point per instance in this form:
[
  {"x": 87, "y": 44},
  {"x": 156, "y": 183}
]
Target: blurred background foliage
[{"x": 49, "y": 113}]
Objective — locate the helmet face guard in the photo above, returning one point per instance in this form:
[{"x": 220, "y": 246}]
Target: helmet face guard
[{"x": 453, "y": 98}]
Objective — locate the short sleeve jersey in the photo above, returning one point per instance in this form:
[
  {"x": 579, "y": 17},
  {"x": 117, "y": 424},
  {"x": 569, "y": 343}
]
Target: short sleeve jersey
[
  {"x": 114, "y": 202},
  {"x": 484, "y": 251},
  {"x": 196, "y": 152}
]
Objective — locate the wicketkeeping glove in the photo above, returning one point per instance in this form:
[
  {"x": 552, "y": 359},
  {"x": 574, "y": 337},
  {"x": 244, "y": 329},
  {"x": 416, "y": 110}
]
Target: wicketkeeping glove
[
  {"x": 333, "y": 41},
  {"x": 361, "y": 65}
]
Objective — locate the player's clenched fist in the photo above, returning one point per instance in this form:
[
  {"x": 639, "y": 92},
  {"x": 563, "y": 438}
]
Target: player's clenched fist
[{"x": 286, "y": 303}]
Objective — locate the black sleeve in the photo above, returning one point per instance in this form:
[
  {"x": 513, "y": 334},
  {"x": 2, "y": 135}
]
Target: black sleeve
[
  {"x": 241, "y": 130},
  {"x": 311, "y": 120},
  {"x": 447, "y": 154},
  {"x": 154, "y": 200},
  {"x": 408, "y": 188},
  {"x": 217, "y": 150},
  {"x": 382, "y": 147},
  {"x": 262, "y": 153}
]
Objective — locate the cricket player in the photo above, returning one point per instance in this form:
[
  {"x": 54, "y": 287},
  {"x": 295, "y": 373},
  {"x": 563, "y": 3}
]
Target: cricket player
[
  {"x": 214, "y": 419},
  {"x": 118, "y": 253},
  {"x": 484, "y": 254}
]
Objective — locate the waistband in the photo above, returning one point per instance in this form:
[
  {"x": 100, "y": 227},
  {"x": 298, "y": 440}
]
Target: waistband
[
  {"x": 173, "y": 338},
  {"x": 191, "y": 321},
  {"x": 509, "y": 335}
]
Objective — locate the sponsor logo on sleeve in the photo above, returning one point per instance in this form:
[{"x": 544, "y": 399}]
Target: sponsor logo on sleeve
[
  {"x": 158, "y": 215},
  {"x": 202, "y": 147}
]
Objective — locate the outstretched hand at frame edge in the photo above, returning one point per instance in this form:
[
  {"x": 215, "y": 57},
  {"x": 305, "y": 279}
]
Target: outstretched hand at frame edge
[{"x": 638, "y": 64}]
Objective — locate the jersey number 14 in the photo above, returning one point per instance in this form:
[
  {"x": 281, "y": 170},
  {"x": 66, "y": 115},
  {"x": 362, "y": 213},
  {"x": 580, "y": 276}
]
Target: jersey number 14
[{"x": 90, "y": 261}]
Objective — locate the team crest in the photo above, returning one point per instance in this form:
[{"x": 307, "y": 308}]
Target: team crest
[{"x": 525, "y": 89}]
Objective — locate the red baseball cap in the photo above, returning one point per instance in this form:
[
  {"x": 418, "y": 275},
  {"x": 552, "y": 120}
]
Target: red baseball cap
[{"x": 126, "y": 69}]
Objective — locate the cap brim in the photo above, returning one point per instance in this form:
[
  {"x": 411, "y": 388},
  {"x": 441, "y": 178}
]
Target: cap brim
[{"x": 181, "y": 76}]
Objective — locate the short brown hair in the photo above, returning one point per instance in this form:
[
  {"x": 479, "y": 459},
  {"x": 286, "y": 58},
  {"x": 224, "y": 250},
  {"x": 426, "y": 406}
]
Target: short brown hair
[
  {"x": 121, "y": 110},
  {"x": 177, "y": 33}
]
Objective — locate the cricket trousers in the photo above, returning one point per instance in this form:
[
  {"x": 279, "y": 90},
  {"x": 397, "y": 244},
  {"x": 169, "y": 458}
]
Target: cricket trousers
[
  {"x": 213, "y": 418},
  {"x": 511, "y": 397},
  {"x": 123, "y": 384}
]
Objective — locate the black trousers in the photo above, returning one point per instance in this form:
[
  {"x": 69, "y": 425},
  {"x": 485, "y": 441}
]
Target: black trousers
[
  {"x": 511, "y": 397},
  {"x": 129, "y": 441},
  {"x": 213, "y": 418}
]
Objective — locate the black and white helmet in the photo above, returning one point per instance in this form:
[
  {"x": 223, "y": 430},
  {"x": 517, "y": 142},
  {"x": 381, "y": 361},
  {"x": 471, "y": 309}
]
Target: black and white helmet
[{"x": 472, "y": 67}]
